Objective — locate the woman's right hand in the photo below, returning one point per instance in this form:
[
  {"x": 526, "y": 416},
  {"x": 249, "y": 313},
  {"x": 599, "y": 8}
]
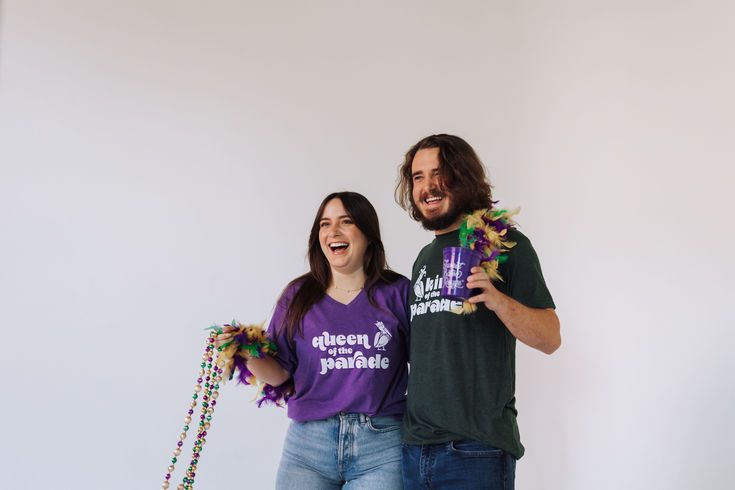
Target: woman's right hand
[
  {"x": 222, "y": 338},
  {"x": 265, "y": 369}
]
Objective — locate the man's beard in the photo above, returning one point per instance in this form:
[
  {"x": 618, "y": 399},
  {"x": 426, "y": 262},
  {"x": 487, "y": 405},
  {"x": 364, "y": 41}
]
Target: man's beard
[{"x": 443, "y": 221}]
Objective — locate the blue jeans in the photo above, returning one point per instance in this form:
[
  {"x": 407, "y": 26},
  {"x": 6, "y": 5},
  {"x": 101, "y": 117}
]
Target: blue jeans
[
  {"x": 350, "y": 450},
  {"x": 457, "y": 465}
]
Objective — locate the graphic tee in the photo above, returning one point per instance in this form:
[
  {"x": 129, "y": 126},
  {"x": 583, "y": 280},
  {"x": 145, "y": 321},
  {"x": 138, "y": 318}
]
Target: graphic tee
[
  {"x": 351, "y": 358},
  {"x": 462, "y": 383}
]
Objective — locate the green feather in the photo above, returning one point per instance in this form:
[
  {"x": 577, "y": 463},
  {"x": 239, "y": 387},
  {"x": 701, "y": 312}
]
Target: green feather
[
  {"x": 464, "y": 233},
  {"x": 251, "y": 348},
  {"x": 224, "y": 346}
]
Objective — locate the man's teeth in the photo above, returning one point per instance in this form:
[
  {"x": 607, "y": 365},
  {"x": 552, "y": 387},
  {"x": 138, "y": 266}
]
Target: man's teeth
[{"x": 433, "y": 199}]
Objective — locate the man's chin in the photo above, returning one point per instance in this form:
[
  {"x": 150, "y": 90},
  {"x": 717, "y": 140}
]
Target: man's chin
[{"x": 440, "y": 222}]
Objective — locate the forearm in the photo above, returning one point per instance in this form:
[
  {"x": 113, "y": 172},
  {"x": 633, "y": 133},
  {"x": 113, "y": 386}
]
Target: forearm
[
  {"x": 268, "y": 370},
  {"x": 535, "y": 327}
]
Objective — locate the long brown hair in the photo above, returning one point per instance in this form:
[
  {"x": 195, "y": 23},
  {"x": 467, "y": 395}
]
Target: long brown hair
[
  {"x": 461, "y": 170},
  {"x": 313, "y": 285}
]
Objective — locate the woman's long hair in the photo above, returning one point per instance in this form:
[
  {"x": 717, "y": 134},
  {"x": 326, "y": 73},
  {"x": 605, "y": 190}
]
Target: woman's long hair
[{"x": 312, "y": 286}]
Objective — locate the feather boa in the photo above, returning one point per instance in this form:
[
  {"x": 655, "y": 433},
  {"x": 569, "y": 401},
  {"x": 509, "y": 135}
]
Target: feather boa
[
  {"x": 250, "y": 341},
  {"x": 486, "y": 231}
]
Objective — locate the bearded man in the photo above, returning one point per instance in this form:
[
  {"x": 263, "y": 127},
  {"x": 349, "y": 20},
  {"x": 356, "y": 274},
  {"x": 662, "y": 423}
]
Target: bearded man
[{"x": 460, "y": 428}]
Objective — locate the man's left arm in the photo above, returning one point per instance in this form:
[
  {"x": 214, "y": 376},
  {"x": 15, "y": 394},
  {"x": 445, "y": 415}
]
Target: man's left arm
[{"x": 535, "y": 327}]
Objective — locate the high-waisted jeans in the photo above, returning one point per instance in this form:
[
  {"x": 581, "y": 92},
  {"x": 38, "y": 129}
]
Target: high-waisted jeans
[{"x": 350, "y": 450}]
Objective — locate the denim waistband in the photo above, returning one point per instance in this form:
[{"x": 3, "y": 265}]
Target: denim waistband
[{"x": 361, "y": 417}]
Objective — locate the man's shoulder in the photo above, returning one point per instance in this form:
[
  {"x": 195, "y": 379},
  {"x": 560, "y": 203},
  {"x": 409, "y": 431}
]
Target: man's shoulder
[
  {"x": 521, "y": 243},
  {"x": 426, "y": 249},
  {"x": 517, "y": 236},
  {"x": 520, "y": 253}
]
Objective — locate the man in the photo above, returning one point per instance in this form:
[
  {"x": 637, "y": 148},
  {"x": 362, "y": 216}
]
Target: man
[{"x": 460, "y": 426}]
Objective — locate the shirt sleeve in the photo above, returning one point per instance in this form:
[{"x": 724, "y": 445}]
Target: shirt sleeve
[
  {"x": 525, "y": 281},
  {"x": 285, "y": 356},
  {"x": 404, "y": 318}
]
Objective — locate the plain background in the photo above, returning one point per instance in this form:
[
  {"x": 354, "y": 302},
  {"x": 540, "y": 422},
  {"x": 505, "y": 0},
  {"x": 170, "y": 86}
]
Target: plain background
[{"x": 162, "y": 161}]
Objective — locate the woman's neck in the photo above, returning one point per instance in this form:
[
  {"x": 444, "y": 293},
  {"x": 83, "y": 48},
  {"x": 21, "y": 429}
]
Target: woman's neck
[{"x": 348, "y": 281}]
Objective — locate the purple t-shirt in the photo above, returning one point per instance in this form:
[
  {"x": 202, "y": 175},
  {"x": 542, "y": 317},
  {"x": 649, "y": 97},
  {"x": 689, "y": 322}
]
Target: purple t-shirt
[{"x": 352, "y": 358}]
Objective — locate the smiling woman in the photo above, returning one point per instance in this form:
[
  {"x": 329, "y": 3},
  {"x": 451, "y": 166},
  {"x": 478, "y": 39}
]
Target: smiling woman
[{"x": 342, "y": 382}]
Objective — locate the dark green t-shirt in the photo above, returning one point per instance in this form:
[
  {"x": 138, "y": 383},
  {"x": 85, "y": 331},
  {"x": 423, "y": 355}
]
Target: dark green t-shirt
[{"x": 462, "y": 380}]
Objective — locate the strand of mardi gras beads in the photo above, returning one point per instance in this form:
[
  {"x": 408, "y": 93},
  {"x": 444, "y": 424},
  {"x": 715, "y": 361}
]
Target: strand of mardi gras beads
[{"x": 211, "y": 374}]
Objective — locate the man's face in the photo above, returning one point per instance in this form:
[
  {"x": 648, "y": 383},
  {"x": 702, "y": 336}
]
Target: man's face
[{"x": 435, "y": 203}]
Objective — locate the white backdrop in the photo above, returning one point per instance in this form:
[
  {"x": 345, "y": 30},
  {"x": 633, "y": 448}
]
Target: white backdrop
[{"x": 162, "y": 161}]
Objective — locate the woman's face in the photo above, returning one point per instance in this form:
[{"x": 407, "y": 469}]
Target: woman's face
[{"x": 342, "y": 242}]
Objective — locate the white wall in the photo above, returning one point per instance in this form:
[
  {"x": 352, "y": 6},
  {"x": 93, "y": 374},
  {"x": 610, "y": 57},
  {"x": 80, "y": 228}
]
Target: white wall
[{"x": 162, "y": 161}]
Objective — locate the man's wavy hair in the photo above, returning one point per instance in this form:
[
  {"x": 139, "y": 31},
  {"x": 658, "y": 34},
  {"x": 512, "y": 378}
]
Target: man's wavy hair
[{"x": 461, "y": 170}]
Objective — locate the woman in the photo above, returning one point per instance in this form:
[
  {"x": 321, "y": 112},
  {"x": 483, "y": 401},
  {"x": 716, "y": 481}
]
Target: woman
[{"x": 342, "y": 335}]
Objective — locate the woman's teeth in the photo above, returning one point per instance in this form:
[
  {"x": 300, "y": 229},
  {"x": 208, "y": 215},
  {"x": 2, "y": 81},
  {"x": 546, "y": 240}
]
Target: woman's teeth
[{"x": 337, "y": 246}]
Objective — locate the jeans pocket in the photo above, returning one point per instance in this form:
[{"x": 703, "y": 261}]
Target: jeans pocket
[
  {"x": 474, "y": 449},
  {"x": 383, "y": 424}
]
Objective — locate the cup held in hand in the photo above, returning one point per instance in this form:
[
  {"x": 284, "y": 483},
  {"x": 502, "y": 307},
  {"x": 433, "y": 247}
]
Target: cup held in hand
[{"x": 458, "y": 263}]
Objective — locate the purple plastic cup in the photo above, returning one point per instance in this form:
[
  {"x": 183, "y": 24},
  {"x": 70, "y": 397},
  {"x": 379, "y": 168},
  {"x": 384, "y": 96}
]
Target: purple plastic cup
[{"x": 458, "y": 262}]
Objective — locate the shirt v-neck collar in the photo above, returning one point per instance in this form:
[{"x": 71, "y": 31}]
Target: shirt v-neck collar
[{"x": 346, "y": 305}]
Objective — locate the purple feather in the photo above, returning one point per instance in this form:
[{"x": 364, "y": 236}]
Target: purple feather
[
  {"x": 277, "y": 395},
  {"x": 243, "y": 373}
]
